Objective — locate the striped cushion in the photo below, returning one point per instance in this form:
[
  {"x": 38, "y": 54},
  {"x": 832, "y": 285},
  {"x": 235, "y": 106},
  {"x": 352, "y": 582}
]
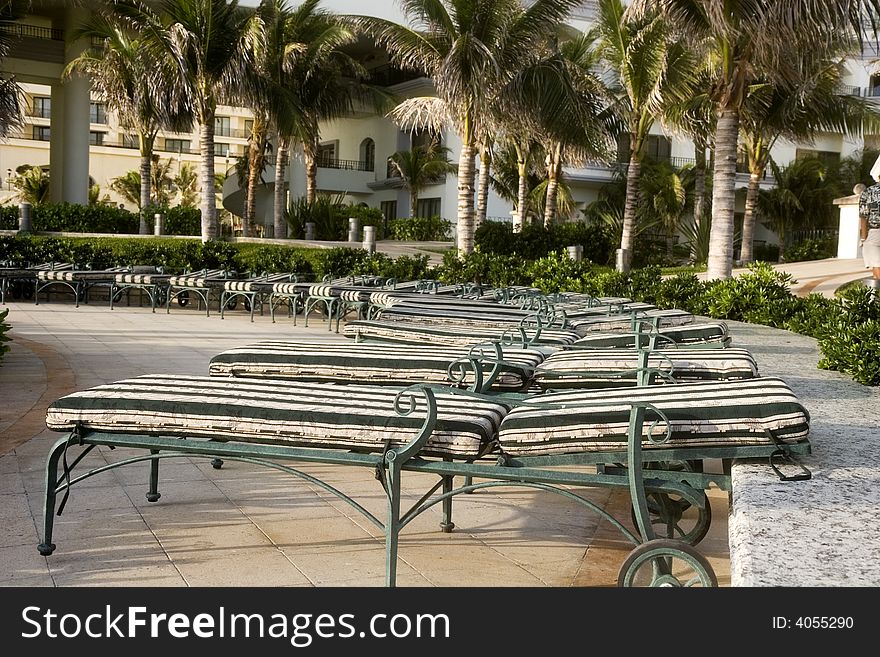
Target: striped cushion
[
  {"x": 85, "y": 275},
  {"x": 387, "y": 364},
  {"x": 687, "y": 334},
  {"x": 196, "y": 279},
  {"x": 276, "y": 411},
  {"x": 579, "y": 368},
  {"x": 710, "y": 414},
  {"x": 288, "y": 289},
  {"x": 244, "y": 286},
  {"x": 142, "y": 279},
  {"x": 498, "y": 316},
  {"x": 437, "y": 334},
  {"x": 624, "y": 321}
]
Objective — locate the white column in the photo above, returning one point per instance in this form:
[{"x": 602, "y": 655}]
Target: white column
[
  {"x": 75, "y": 118},
  {"x": 56, "y": 145},
  {"x": 848, "y": 245}
]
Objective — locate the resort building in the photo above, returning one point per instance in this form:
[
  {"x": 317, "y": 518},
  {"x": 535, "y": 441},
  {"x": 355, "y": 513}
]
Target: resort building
[{"x": 79, "y": 140}]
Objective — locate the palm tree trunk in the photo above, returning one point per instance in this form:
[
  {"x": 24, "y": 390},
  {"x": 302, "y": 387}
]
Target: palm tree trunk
[
  {"x": 413, "y": 203},
  {"x": 699, "y": 187},
  {"x": 522, "y": 198},
  {"x": 465, "y": 220},
  {"x": 627, "y": 235},
  {"x": 310, "y": 155},
  {"x": 746, "y": 249},
  {"x": 256, "y": 151},
  {"x": 282, "y": 150},
  {"x": 208, "y": 203},
  {"x": 550, "y": 203},
  {"x": 483, "y": 191},
  {"x": 720, "y": 264},
  {"x": 146, "y": 173}
]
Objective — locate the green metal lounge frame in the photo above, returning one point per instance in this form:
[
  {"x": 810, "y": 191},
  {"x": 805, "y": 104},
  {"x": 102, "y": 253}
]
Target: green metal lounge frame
[{"x": 658, "y": 468}]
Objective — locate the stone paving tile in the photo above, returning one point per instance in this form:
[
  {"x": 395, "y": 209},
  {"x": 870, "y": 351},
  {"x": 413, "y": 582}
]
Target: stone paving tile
[{"x": 21, "y": 561}]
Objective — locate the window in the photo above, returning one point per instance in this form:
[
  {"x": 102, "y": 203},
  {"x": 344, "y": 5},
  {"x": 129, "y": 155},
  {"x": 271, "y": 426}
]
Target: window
[
  {"x": 873, "y": 88},
  {"x": 327, "y": 154},
  {"x": 826, "y": 157},
  {"x": 177, "y": 145},
  {"x": 425, "y": 138},
  {"x": 222, "y": 126},
  {"x": 130, "y": 141},
  {"x": 97, "y": 113},
  {"x": 658, "y": 147},
  {"x": 41, "y": 133},
  {"x": 428, "y": 207},
  {"x": 367, "y": 155},
  {"x": 96, "y": 138},
  {"x": 389, "y": 210},
  {"x": 221, "y": 149},
  {"x": 42, "y": 107},
  {"x": 248, "y": 127}
]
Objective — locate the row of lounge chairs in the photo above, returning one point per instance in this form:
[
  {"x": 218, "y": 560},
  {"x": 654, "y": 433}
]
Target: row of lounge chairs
[{"x": 485, "y": 389}]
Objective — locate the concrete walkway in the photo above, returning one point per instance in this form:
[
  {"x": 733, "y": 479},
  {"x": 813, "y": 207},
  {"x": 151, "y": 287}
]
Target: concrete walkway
[
  {"x": 244, "y": 525},
  {"x": 818, "y": 276}
]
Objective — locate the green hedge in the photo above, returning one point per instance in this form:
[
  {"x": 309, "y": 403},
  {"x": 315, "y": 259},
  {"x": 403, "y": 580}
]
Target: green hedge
[
  {"x": 4, "y": 327},
  {"x": 420, "y": 229},
  {"x": 535, "y": 241},
  {"x": 75, "y": 218}
]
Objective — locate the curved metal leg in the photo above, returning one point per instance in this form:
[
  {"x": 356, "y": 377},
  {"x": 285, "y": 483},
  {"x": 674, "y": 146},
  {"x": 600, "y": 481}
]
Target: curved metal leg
[
  {"x": 392, "y": 524},
  {"x": 446, "y": 524},
  {"x": 46, "y": 547},
  {"x": 153, "y": 494}
]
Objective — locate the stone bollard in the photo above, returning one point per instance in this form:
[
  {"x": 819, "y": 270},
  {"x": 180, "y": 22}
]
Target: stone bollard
[
  {"x": 353, "y": 229},
  {"x": 310, "y": 230},
  {"x": 370, "y": 239},
  {"x": 158, "y": 224},
  {"x": 576, "y": 252},
  {"x": 25, "y": 223}
]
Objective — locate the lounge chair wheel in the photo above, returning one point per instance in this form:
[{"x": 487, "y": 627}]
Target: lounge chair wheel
[
  {"x": 153, "y": 497},
  {"x": 46, "y": 548},
  {"x": 666, "y": 562},
  {"x": 447, "y": 527},
  {"x": 183, "y": 299},
  {"x": 231, "y": 304},
  {"x": 673, "y": 517},
  {"x": 216, "y": 463},
  {"x": 247, "y": 305}
]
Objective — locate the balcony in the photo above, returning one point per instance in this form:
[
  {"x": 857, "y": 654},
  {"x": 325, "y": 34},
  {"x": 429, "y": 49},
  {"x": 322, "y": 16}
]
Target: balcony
[
  {"x": 25, "y": 31},
  {"x": 346, "y": 165}
]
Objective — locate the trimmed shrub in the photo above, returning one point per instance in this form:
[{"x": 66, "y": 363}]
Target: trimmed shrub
[
  {"x": 535, "y": 241},
  {"x": 854, "y": 349},
  {"x": 811, "y": 250},
  {"x": 420, "y": 229},
  {"x": 4, "y": 327}
]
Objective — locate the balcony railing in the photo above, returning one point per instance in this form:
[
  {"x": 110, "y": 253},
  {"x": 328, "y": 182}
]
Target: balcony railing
[
  {"x": 230, "y": 132},
  {"x": 23, "y": 30},
  {"x": 39, "y": 112},
  {"x": 348, "y": 165},
  {"x": 30, "y": 136}
]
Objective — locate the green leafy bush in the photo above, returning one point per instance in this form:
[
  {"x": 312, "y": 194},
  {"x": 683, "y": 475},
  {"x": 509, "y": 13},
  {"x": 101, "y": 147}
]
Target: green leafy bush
[
  {"x": 557, "y": 272},
  {"x": 420, "y": 229},
  {"x": 761, "y": 296},
  {"x": 854, "y": 349},
  {"x": 685, "y": 291},
  {"x": 535, "y": 241},
  {"x": 4, "y": 327},
  {"x": 811, "y": 249}
]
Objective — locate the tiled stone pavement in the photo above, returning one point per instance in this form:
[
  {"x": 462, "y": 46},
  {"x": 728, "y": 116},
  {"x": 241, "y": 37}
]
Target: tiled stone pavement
[{"x": 244, "y": 525}]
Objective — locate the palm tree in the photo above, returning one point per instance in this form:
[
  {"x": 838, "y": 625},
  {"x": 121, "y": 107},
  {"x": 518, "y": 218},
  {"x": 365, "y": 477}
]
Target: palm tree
[
  {"x": 126, "y": 76},
  {"x": 10, "y": 93},
  {"x": 650, "y": 70},
  {"x": 798, "y": 114},
  {"x": 421, "y": 166},
  {"x": 304, "y": 79},
  {"x": 747, "y": 41},
  {"x": 32, "y": 185},
  {"x": 470, "y": 49},
  {"x": 206, "y": 45}
]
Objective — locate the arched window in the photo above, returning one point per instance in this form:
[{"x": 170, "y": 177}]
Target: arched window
[{"x": 368, "y": 155}]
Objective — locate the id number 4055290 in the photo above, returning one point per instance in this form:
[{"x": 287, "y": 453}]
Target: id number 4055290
[{"x": 813, "y": 623}]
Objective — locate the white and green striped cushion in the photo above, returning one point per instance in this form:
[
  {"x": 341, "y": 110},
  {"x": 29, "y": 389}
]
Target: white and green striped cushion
[
  {"x": 196, "y": 279},
  {"x": 452, "y": 335},
  {"x": 687, "y": 334},
  {"x": 710, "y": 414},
  {"x": 276, "y": 411},
  {"x": 624, "y": 321},
  {"x": 71, "y": 276},
  {"x": 583, "y": 367},
  {"x": 142, "y": 279},
  {"x": 375, "y": 363}
]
